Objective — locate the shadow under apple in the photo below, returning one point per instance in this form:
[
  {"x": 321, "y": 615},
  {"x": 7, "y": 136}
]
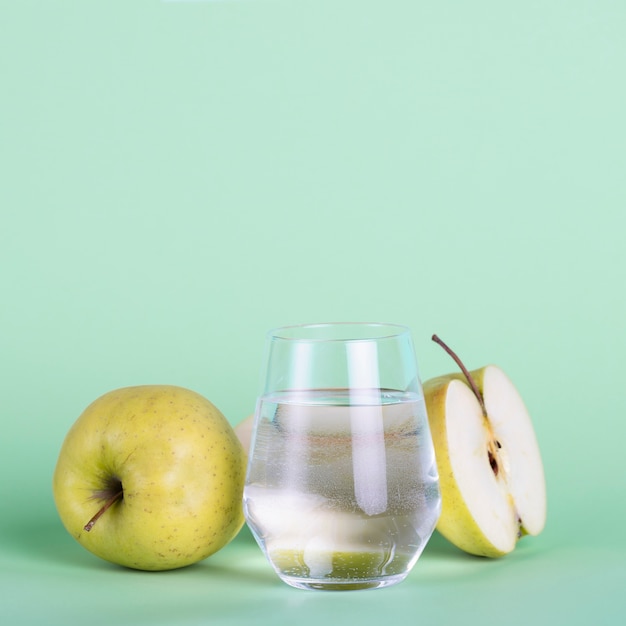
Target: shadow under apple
[
  {"x": 439, "y": 547},
  {"x": 45, "y": 540}
]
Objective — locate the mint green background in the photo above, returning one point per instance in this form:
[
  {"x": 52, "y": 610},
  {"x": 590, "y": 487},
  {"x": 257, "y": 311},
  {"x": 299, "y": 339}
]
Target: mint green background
[{"x": 177, "y": 178}]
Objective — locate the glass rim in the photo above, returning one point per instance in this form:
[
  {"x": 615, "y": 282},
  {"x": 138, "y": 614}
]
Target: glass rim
[{"x": 297, "y": 332}]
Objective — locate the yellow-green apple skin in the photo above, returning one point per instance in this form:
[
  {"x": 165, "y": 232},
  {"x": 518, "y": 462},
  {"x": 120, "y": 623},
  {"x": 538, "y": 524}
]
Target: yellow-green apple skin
[
  {"x": 181, "y": 468},
  {"x": 490, "y": 469}
]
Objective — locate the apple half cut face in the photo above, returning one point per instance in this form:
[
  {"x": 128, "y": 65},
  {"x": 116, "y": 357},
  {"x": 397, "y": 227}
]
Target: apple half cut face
[{"x": 491, "y": 472}]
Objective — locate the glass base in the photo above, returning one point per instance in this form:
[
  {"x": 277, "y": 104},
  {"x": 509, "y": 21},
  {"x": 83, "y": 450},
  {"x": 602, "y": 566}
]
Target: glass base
[{"x": 342, "y": 584}]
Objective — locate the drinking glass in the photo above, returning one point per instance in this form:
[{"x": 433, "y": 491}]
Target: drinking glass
[{"x": 342, "y": 490}]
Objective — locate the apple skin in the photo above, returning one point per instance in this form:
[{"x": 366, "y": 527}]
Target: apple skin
[
  {"x": 181, "y": 467},
  {"x": 456, "y": 522}
]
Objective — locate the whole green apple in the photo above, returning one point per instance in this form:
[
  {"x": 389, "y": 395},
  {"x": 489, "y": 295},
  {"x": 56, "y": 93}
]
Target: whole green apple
[{"x": 151, "y": 477}]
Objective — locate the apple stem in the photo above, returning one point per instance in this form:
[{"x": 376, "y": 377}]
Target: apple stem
[
  {"x": 112, "y": 500},
  {"x": 470, "y": 379}
]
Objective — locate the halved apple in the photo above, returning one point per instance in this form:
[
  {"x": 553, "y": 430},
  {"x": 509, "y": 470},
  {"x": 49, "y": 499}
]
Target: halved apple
[{"x": 490, "y": 468}]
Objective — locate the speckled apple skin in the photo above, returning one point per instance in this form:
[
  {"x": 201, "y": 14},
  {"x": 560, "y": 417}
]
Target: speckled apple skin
[{"x": 182, "y": 470}]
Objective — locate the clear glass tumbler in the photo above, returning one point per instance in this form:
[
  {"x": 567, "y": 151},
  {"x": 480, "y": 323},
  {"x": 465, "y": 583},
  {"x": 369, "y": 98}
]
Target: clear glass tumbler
[{"x": 342, "y": 490}]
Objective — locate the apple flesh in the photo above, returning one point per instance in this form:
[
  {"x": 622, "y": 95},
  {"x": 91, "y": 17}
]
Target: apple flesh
[
  {"x": 151, "y": 477},
  {"x": 491, "y": 473},
  {"x": 243, "y": 430}
]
